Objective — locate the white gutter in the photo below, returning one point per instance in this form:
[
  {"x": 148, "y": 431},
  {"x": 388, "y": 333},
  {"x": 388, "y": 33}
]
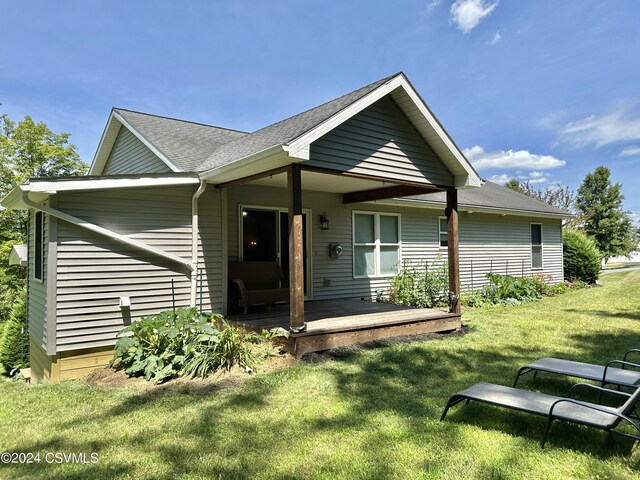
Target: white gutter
[
  {"x": 104, "y": 231},
  {"x": 194, "y": 241}
]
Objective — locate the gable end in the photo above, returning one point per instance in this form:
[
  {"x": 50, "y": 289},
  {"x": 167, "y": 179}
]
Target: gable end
[
  {"x": 130, "y": 155},
  {"x": 380, "y": 141}
]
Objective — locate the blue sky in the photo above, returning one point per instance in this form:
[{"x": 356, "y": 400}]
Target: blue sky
[{"x": 543, "y": 90}]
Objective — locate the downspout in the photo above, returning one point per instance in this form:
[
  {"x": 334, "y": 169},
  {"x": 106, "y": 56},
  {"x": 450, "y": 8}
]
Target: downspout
[
  {"x": 103, "y": 231},
  {"x": 194, "y": 242}
]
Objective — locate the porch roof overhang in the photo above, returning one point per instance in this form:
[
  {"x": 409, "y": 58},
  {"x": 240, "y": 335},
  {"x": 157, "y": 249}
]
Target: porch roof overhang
[
  {"x": 39, "y": 189},
  {"x": 298, "y": 150},
  {"x": 18, "y": 255},
  {"x": 471, "y": 208}
]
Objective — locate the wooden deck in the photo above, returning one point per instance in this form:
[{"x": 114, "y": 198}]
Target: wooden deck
[{"x": 337, "y": 323}]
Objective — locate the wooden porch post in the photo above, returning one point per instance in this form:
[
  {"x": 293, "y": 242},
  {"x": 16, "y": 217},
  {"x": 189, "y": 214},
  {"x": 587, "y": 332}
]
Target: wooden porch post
[
  {"x": 296, "y": 258},
  {"x": 453, "y": 256}
]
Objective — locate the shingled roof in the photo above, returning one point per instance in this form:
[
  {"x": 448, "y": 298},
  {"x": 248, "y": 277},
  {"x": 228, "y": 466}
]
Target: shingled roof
[
  {"x": 493, "y": 196},
  {"x": 187, "y": 144},
  {"x": 196, "y": 147},
  {"x": 287, "y": 130}
]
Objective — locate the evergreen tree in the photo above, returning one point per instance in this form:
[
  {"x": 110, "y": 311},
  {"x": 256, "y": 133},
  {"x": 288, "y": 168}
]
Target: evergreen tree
[
  {"x": 514, "y": 185},
  {"x": 14, "y": 344},
  {"x": 607, "y": 222}
]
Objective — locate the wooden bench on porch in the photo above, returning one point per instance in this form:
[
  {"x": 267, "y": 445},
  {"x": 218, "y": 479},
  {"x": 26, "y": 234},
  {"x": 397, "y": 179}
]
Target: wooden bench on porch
[{"x": 258, "y": 283}]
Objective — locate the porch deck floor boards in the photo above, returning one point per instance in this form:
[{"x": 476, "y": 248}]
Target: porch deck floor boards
[{"x": 327, "y": 316}]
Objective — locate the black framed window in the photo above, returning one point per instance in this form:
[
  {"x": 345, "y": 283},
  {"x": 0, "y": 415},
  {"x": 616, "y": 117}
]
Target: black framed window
[
  {"x": 39, "y": 246},
  {"x": 536, "y": 246}
]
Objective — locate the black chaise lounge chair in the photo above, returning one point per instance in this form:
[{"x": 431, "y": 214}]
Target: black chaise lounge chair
[
  {"x": 555, "y": 408},
  {"x": 606, "y": 375}
]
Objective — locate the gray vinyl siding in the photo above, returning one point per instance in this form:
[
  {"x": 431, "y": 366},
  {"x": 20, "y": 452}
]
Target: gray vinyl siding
[
  {"x": 37, "y": 290},
  {"x": 130, "y": 155},
  {"x": 380, "y": 141},
  {"x": 95, "y": 271},
  {"x": 210, "y": 250},
  {"x": 492, "y": 241}
]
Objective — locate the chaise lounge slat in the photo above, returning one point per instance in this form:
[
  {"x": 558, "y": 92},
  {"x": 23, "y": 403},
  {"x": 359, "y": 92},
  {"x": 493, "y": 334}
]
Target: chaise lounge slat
[
  {"x": 588, "y": 371},
  {"x": 537, "y": 404},
  {"x": 553, "y": 407}
]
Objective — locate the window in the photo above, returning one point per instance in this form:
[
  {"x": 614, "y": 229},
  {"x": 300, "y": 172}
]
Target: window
[
  {"x": 536, "y": 246},
  {"x": 39, "y": 246},
  {"x": 443, "y": 232},
  {"x": 376, "y": 244}
]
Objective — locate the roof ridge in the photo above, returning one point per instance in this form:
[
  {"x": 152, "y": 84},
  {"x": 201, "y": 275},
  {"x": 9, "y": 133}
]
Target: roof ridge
[
  {"x": 180, "y": 120},
  {"x": 381, "y": 81}
]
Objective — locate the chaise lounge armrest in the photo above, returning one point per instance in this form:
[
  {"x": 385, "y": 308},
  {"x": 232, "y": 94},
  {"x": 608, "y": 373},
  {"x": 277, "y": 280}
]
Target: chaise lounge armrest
[
  {"x": 632, "y": 350},
  {"x": 598, "y": 388},
  {"x": 242, "y": 287}
]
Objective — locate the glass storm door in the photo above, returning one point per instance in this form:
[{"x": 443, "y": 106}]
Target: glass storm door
[{"x": 265, "y": 238}]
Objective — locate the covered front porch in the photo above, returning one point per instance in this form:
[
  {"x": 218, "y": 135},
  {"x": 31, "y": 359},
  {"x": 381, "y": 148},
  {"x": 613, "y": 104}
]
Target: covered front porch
[
  {"x": 343, "y": 239},
  {"x": 341, "y": 322}
]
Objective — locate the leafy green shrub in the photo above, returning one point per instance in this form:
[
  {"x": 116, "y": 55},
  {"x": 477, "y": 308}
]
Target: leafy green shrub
[
  {"x": 544, "y": 287},
  {"x": 14, "y": 342},
  {"x": 582, "y": 259},
  {"x": 509, "y": 290},
  {"x": 472, "y": 300},
  {"x": 420, "y": 285},
  {"x": 183, "y": 343}
]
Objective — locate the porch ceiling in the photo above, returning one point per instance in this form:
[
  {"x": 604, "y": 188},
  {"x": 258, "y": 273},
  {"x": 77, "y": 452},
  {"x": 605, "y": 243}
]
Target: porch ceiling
[{"x": 323, "y": 182}]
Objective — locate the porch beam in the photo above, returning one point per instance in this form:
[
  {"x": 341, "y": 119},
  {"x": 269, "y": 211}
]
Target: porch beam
[
  {"x": 383, "y": 180},
  {"x": 256, "y": 176},
  {"x": 296, "y": 256},
  {"x": 395, "y": 191},
  {"x": 452, "y": 247}
]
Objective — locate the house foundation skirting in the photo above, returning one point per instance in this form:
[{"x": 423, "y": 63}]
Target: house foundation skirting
[{"x": 65, "y": 365}]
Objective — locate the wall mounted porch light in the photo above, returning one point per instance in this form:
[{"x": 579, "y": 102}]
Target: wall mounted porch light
[{"x": 324, "y": 221}]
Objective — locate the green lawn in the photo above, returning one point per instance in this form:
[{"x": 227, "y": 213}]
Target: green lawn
[{"x": 372, "y": 415}]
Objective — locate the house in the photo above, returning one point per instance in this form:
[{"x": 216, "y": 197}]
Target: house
[{"x": 168, "y": 204}]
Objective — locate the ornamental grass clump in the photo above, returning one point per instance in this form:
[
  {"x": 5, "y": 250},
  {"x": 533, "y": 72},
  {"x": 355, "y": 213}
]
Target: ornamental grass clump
[{"x": 184, "y": 342}]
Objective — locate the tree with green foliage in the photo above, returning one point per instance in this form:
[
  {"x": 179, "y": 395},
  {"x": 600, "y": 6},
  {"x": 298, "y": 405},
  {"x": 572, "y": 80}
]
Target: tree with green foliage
[
  {"x": 581, "y": 257},
  {"x": 607, "y": 223},
  {"x": 14, "y": 343},
  {"x": 559, "y": 196},
  {"x": 514, "y": 185},
  {"x": 27, "y": 149}
]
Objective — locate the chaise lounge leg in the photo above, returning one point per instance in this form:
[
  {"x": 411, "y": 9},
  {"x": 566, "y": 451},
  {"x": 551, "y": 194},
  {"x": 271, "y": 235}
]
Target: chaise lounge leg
[
  {"x": 521, "y": 372},
  {"x": 546, "y": 433},
  {"x": 452, "y": 401}
]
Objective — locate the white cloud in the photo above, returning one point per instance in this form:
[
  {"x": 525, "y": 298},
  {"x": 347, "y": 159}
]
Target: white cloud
[
  {"x": 496, "y": 38},
  {"x": 630, "y": 151},
  {"x": 536, "y": 177},
  {"x": 618, "y": 125},
  {"x": 433, "y": 4},
  {"x": 467, "y": 14},
  {"x": 501, "y": 179},
  {"x": 533, "y": 178},
  {"x": 511, "y": 159}
]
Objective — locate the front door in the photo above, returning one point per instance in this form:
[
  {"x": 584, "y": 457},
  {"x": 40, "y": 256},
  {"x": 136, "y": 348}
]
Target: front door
[{"x": 265, "y": 237}]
